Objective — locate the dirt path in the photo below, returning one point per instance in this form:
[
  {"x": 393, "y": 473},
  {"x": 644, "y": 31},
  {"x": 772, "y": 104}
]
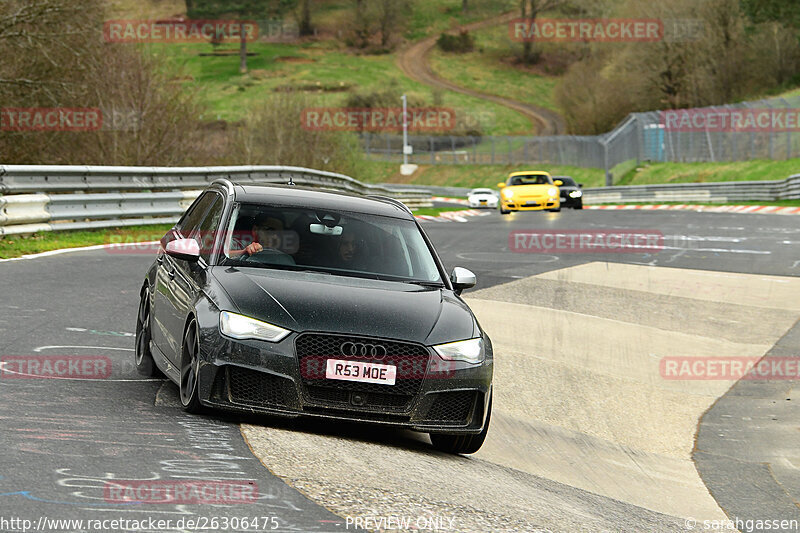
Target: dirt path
[{"x": 413, "y": 61}]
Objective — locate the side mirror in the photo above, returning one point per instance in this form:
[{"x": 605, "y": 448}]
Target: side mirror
[
  {"x": 580, "y": 185},
  {"x": 461, "y": 278},
  {"x": 501, "y": 184},
  {"x": 558, "y": 183},
  {"x": 186, "y": 249}
]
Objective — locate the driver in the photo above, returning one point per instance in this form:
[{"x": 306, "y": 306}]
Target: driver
[{"x": 265, "y": 232}]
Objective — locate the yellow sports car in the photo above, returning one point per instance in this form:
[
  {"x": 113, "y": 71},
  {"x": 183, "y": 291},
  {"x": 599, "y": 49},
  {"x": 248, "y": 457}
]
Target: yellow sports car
[{"x": 529, "y": 191}]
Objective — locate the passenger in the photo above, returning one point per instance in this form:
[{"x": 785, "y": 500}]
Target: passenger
[{"x": 349, "y": 251}]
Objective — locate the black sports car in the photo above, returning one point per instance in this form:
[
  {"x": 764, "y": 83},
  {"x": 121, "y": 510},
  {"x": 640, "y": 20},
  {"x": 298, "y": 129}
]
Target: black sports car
[
  {"x": 571, "y": 194},
  {"x": 293, "y": 301}
]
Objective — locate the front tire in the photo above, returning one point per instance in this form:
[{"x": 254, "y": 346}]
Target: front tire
[
  {"x": 462, "y": 444},
  {"x": 190, "y": 360},
  {"x": 503, "y": 211},
  {"x": 145, "y": 364}
]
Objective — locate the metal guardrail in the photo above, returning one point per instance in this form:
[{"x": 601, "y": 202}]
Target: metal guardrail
[
  {"x": 717, "y": 192},
  {"x": 47, "y": 198}
]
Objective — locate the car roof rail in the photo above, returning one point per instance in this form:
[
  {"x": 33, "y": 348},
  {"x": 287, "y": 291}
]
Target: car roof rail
[
  {"x": 225, "y": 183},
  {"x": 389, "y": 199}
]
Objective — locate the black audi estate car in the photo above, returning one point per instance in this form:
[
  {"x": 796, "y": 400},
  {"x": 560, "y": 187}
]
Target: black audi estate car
[{"x": 294, "y": 302}]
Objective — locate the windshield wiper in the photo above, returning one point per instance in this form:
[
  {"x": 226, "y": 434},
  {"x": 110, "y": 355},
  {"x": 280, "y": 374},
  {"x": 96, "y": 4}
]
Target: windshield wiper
[{"x": 432, "y": 284}]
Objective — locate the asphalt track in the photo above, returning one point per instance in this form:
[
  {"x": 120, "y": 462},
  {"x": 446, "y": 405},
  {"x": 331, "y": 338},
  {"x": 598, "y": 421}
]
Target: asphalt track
[{"x": 65, "y": 439}]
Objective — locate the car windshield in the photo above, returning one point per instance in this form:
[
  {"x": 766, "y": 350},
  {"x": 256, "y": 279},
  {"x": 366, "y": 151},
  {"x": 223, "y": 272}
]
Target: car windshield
[
  {"x": 533, "y": 179},
  {"x": 343, "y": 243},
  {"x": 567, "y": 182},
  {"x": 481, "y": 191}
]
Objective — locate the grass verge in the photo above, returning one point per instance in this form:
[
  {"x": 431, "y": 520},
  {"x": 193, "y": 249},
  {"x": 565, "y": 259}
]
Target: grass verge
[
  {"x": 19, "y": 245},
  {"x": 436, "y": 211}
]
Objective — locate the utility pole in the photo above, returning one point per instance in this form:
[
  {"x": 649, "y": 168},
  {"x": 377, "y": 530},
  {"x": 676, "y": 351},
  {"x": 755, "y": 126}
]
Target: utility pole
[
  {"x": 405, "y": 130},
  {"x": 405, "y": 168}
]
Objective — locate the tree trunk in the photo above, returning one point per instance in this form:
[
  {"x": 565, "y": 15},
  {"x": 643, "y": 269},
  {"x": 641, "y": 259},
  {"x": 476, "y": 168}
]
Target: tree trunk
[
  {"x": 362, "y": 33},
  {"x": 528, "y": 55},
  {"x": 464, "y": 7},
  {"x": 305, "y": 18},
  {"x": 242, "y": 50},
  {"x": 526, "y": 45}
]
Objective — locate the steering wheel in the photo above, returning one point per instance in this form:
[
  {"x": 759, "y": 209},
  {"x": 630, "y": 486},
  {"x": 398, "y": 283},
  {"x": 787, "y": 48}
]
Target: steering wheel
[{"x": 270, "y": 256}]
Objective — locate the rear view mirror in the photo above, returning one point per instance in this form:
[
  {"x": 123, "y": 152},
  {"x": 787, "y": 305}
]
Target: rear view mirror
[{"x": 322, "y": 229}]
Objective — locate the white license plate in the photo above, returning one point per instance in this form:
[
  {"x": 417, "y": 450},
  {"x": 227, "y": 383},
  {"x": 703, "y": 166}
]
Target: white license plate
[{"x": 358, "y": 371}]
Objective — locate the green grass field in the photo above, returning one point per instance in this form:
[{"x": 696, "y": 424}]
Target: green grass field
[
  {"x": 488, "y": 69},
  {"x": 17, "y": 245},
  {"x": 326, "y": 75}
]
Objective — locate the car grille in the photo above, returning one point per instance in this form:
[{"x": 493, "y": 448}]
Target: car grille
[
  {"x": 371, "y": 399},
  {"x": 256, "y": 388},
  {"x": 452, "y": 407},
  {"x": 313, "y": 350}
]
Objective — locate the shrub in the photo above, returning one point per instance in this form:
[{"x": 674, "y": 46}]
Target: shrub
[{"x": 459, "y": 44}]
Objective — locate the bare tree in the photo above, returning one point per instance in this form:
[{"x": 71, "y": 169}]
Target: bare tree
[
  {"x": 530, "y": 10},
  {"x": 53, "y": 56},
  {"x": 305, "y": 26},
  {"x": 392, "y": 15},
  {"x": 273, "y": 134}
]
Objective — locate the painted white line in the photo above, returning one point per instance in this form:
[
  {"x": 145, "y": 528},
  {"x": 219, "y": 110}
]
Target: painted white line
[{"x": 58, "y": 347}]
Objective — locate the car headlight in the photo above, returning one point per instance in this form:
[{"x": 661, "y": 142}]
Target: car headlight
[
  {"x": 243, "y": 327},
  {"x": 508, "y": 193},
  {"x": 575, "y": 194},
  {"x": 552, "y": 191},
  {"x": 470, "y": 351}
]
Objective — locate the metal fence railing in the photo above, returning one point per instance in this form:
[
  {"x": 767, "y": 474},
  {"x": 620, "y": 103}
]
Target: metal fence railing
[
  {"x": 640, "y": 137},
  {"x": 719, "y": 192},
  {"x": 46, "y": 198}
]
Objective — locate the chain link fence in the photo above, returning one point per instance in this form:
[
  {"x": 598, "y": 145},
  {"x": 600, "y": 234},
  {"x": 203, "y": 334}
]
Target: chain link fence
[{"x": 640, "y": 137}]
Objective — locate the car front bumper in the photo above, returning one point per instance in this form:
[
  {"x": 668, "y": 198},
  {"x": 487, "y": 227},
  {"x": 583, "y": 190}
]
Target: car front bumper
[
  {"x": 531, "y": 204},
  {"x": 261, "y": 377}
]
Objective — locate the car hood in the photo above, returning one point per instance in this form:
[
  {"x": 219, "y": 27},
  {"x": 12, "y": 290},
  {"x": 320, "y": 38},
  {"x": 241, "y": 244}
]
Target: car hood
[
  {"x": 309, "y": 301},
  {"x": 525, "y": 191}
]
